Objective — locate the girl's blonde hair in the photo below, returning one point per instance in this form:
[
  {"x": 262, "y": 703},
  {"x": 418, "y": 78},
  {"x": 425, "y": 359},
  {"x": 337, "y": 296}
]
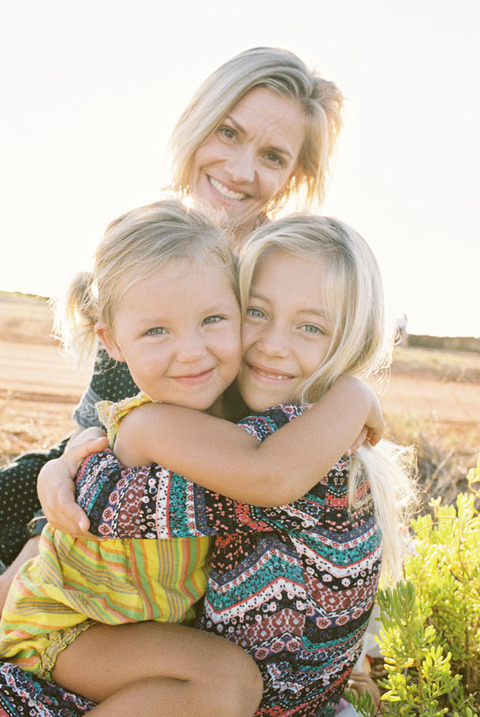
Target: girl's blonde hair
[
  {"x": 135, "y": 246},
  {"x": 285, "y": 74},
  {"x": 360, "y": 345}
]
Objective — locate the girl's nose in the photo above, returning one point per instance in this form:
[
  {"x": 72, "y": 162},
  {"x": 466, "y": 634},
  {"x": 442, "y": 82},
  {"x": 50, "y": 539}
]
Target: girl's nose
[
  {"x": 241, "y": 165},
  {"x": 274, "y": 341},
  {"x": 190, "y": 349}
]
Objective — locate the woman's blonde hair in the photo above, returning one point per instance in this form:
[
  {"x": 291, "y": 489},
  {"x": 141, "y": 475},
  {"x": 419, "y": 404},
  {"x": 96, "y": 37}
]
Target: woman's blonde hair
[
  {"x": 360, "y": 345},
  {"x": 135, "y": 246},
  {"x": 281, "y": 72}
]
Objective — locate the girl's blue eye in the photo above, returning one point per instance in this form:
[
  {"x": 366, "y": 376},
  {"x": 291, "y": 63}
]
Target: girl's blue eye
[
  {"x": 255, "y": 313},
  {"x": 156, "y": 331},
  {"x": 312, "y": 329},
  {"x": 212, "y": 319}
]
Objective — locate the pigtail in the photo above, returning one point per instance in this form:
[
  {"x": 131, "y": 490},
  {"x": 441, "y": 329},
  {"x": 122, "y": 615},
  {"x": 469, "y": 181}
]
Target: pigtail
[
  {"x": 76, "y": 315},
  {"x": 389, "y": 471}
]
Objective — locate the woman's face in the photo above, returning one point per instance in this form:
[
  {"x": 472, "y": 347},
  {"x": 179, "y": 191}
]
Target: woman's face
[
  {"x": 250, "y": 158},
  {"x": 285, "y": 332}
]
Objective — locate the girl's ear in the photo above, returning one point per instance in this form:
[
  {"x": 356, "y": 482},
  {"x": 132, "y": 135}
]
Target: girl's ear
[{"x": 108, "y": 340}]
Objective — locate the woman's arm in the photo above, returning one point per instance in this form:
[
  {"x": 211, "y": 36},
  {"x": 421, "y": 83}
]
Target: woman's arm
[
  {"x": 111, "y": 381},
  {"x": 56, "y": 487},
  {"x": 217, "y": 455}
]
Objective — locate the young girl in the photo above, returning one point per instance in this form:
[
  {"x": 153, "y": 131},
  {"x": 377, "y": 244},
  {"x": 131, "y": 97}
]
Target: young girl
[
  {"x": 164, "y": 295},
  {"x": 163, "y": 300},
  {"x": 293, "y": 585}
]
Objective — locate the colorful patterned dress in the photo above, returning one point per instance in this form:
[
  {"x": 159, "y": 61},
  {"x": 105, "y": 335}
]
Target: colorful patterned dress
[{"x": 293, "y": 585}]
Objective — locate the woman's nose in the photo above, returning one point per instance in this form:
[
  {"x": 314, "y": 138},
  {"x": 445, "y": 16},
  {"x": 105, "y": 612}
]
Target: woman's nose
[{"x": 241, "y": 165}]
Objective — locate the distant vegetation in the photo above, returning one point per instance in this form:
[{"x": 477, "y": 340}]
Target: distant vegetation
[{"x": 449, "y": 343}]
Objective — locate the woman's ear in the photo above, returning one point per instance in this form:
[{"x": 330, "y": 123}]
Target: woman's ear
[{"x": 108, "y": 340}]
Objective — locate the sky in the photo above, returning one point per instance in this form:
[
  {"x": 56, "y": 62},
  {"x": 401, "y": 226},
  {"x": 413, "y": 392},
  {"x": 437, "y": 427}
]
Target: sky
[{"x": 91, "y": 90}]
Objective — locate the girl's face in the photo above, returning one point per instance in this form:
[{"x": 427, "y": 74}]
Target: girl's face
[
  {"x": 250, "y": 158},
  {"x": 179, "y": 332},
  {"x": 285, "y": 332}
]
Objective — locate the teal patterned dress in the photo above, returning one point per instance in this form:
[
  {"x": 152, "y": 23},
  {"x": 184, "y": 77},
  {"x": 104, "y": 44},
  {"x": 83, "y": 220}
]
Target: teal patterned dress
[{"x": 294, "y": 585}]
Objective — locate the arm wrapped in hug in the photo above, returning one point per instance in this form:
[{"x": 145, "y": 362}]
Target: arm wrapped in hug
[{"x": 151, "y": 502}]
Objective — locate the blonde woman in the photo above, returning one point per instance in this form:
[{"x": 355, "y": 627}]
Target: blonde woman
[{"x": 261, "y": 129}]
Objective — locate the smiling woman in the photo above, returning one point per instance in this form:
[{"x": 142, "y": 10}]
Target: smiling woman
[{"x": 270, "y": 123}]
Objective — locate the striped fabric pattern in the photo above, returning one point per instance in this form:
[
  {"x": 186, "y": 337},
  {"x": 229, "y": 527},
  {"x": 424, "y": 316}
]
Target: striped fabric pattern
[{"x": 113, "y": 581}]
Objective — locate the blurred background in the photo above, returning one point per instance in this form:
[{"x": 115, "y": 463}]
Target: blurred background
[{"x": 90, "y": 92}]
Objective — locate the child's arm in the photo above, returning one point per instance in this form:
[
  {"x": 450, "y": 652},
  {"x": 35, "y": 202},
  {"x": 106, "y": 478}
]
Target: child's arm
[{"x": 217, "y": 455}]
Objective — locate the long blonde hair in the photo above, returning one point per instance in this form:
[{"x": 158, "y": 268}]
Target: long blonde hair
[
  {"x": 134, "y": 246},
  {"x": 285, "y": 74},
  {"x": 361, "y": 345}
]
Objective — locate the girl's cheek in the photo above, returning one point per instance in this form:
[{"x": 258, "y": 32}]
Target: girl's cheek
[{"x": 249, "y": 336}]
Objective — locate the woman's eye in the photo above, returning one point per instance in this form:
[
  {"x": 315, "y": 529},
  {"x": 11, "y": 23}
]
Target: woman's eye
[
  {"x": 227, "y": 132},
  {"x": 156, "y": 331},
  {"x": 274, "y": 158},
  {"x": 255, "y": 313},
  {"x": 212, "y": 319}
]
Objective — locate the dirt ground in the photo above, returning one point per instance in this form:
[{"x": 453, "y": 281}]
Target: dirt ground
[{"x": 39, "y": 388}]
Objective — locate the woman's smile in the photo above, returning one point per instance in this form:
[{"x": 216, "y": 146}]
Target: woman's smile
[{"x": 225, "y": 192}]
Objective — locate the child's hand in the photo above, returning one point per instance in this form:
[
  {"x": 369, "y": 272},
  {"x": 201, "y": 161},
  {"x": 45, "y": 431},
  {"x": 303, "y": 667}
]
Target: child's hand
[
  {"x": 362, "y": 437},
  {"x": 56, "y": 489},
  {"x": 375, "y": 423}
]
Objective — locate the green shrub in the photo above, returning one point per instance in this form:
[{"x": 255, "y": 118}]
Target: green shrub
[{"x": 430, "y": 637}]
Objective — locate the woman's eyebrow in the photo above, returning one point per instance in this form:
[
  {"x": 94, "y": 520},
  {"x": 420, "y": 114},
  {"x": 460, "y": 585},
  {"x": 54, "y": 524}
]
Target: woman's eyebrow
[{"x": 278, "y": 150}]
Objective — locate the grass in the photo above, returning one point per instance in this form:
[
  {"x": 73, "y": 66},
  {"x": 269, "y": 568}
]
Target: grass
[{"x": 444, "y": 453}]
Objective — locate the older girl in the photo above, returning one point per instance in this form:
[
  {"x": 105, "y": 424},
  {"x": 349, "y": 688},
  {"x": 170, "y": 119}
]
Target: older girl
[{"x": 293, "y": 585}]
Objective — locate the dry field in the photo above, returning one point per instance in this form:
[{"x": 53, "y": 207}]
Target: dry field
[{"x": 434, "y": 390}]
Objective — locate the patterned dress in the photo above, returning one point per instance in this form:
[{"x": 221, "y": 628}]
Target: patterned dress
[{"x": 293, "y": 585}]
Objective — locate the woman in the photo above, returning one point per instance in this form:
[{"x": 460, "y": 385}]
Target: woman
[{"x": 259, "y": 131}]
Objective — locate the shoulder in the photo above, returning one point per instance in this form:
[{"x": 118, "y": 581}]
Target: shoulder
[{"x": 267, "y": 422}]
